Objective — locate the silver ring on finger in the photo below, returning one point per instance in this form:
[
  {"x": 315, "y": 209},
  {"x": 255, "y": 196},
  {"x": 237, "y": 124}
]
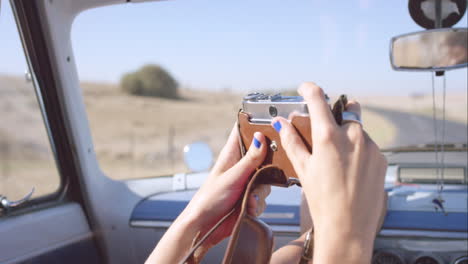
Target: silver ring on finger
[{"x": 351, "y": 117}]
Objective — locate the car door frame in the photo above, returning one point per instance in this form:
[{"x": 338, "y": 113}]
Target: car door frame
[
  {"x": 54, "y": 227},
  {"x": 108, "y": 203}
]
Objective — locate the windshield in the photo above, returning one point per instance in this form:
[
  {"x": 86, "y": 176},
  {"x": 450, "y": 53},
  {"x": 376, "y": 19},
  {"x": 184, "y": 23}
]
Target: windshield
[{"x": 209, "y": 54}]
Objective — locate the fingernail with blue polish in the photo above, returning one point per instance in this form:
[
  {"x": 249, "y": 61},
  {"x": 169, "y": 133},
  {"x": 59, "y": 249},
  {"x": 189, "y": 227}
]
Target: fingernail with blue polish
[
  {"x": 256, "y": 197},
  {"x": 277, "y": 126},
  {"x": 257, "y": 143}
]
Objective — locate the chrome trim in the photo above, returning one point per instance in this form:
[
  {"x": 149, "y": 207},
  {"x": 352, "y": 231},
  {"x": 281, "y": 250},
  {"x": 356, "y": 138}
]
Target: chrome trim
[
  {"x": 392, "y": 40},
  {"x": 154, "y": 224},
  {"x": 285, "y": 215},
  {"x": 459, "y": 260},
  {"x": 422, "y": 233},
  {"x": 6, "y": 204},
  {"x": 290, "y": 229},
  {"x": 295, "y": 229},
  {"x": 165, "y": 224}
]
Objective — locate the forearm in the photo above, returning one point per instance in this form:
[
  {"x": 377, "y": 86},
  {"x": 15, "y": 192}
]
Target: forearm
[
  {"x": 177, "y": 240},
  {"x": 333, "y": 246}
]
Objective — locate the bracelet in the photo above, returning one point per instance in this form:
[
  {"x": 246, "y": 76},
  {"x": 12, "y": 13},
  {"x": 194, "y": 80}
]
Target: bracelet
[{"x": 308, "y": 248}]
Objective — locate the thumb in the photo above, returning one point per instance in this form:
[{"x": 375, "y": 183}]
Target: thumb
[
  {"x": 252, "y": 159},
  {"x": 229, "y": 155},
  {"x": 292, "y": 143}
]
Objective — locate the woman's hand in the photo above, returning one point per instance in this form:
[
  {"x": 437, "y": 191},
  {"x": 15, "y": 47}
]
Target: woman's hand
[
  {"x": 342, "y": 179},
  {"x": 228, "y": 179},
  {"x": 218, "y": 195}
]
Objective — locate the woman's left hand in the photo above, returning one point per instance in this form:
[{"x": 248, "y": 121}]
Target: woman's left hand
[
  {"x": 225, "y": 185},
  {"x": 216, "y": 198}
]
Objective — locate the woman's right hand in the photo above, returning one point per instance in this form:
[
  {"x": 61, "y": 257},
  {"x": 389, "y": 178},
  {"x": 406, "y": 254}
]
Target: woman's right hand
[{"x": 343, "y": 180}]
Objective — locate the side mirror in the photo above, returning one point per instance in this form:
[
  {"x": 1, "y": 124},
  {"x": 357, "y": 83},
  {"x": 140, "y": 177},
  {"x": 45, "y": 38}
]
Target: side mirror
[
  {"x": 198, "y": 157},
  {"x": 430, "y": 50}
]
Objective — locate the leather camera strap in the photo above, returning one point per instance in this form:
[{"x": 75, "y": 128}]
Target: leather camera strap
[
  {"x": 191, "y": 257},
  {"x": 264, "y": 175}
]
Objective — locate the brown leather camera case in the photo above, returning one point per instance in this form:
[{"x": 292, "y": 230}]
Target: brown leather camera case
[{"x": 278, "y": 157}]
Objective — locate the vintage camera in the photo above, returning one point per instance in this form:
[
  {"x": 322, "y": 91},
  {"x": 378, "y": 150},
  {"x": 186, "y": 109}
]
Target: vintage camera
[{"x": 258, "y": 110}]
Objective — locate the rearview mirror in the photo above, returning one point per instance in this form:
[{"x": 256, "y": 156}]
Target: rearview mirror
[{"x": 430, "y": 50}]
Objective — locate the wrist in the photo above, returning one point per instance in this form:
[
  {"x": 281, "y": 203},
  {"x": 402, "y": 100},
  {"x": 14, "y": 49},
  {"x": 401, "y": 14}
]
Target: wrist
[
  {"x": 200, "y": 211},
  {"x": 190, "y": 218},
  {"x": 177, "y": 240},
  {"x": 335, "y": 246}
]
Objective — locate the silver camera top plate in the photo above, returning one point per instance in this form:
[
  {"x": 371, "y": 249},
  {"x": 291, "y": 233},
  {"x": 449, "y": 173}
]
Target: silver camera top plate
[{"x": 262, "y": 108}]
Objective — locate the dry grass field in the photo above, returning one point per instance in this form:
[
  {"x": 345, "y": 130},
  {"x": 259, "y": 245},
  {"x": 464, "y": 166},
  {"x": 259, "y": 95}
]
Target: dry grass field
[
  {"x": 26, "y": 158},
  {"x": 456, "y": 105},
  {"x": 152, "y": 132},
  {"x": 138, "y": 136}
]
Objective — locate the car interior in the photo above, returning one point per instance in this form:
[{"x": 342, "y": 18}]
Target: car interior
[{"x": 112, "y": 171}]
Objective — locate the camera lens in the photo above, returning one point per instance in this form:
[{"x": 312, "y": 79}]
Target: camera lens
[{"x": 273, "y": 111}]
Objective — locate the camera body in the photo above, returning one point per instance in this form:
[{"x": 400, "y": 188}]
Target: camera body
[{"x": 258, "y": 110}]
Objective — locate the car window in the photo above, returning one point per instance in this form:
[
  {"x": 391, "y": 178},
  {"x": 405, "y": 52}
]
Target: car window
[
  {"x": 26, "y": 157},
  {"x": 202, "y": 57}
]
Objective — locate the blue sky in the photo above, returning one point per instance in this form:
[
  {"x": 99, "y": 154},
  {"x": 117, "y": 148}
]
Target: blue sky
[{"x": 244, "y": 45}]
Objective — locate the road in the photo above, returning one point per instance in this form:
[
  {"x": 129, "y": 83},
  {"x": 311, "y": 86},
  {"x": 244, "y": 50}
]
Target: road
[{"x": 415, "y": 129}]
